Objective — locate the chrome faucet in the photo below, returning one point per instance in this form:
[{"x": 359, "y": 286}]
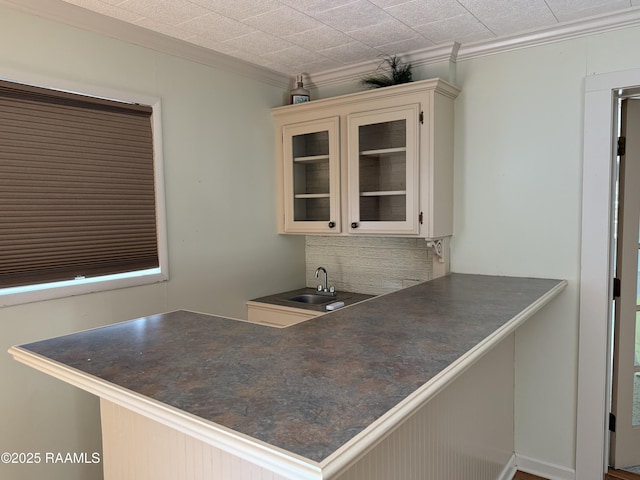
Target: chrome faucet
[{"x": 324, "y": 289}]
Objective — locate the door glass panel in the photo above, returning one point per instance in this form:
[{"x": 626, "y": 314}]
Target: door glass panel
[
  {"x": 378, "y": 136},
  {"x": 311, "y": 209},
  {"x": 382, "y": 171},
  {"x": 637, "y": 349},
  {"x": 636, "y": 376},
  {"x": 635, "y": 416},
  {"x": 311, "y": 176},
  {"x": 638, "y": 285},
  {"x": 636, "y": 400},
  {"x": 638, "y": 276},
  {"x": 389, "y": 208}
]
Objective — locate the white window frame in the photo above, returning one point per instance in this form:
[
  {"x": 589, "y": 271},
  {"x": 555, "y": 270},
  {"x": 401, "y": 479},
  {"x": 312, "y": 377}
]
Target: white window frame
[{"x": 49, "y": 291}]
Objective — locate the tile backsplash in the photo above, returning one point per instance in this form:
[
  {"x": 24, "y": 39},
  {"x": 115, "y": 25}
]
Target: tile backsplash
[{"x": 372, "y": 265}]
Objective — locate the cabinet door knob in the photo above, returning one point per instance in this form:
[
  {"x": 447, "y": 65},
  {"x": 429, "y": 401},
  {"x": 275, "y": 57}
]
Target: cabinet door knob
[
  {"x": 332, "y": 224},
  {"x": 354, "y": 224}
]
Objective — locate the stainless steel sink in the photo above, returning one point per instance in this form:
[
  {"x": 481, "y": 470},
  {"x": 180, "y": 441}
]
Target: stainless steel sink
[{"x": 312, "y": 299}]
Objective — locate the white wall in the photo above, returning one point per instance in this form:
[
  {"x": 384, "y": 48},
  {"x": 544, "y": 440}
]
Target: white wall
[
  {"x": 517, "y": 196},
  {"x": 518, "y": 171},
  {"x": 220, "y": 194}
]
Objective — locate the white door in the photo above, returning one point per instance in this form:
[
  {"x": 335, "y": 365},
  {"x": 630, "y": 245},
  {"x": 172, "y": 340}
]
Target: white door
[{"x": 625, "y": 441}]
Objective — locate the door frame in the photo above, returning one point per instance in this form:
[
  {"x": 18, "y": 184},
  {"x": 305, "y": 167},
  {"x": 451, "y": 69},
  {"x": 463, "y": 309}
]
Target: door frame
[{"x": 594, "y": 338}]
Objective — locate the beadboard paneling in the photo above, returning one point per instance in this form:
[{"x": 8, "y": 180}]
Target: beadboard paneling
[
  {"x": 465, "y": 431},
  {"x": 138, "y": 448}
]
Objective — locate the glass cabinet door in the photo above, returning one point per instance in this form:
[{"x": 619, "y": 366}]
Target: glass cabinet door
[
  {"x": 383, "y": 171},
  {"x": 311, "y": 177}
]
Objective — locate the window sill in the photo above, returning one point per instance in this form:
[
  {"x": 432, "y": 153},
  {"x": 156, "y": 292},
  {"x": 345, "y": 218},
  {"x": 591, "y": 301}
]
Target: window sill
[{"x": 50, "y": 291}]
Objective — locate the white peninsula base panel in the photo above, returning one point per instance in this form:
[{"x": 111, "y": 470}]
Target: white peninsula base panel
[
  {"x": 464, "y": 431},
  {"x": 136, "y": 447}
]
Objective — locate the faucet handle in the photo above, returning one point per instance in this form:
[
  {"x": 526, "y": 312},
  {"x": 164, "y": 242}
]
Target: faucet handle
[{"x": 319, "y": 288}]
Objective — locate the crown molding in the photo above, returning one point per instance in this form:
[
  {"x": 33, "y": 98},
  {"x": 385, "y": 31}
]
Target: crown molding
[
  {"x": 558, "y": 33},
  {"x": 355, "y": 72},
  {"x": 456, "y": 52},
  {"x": 69, "y": 14}
]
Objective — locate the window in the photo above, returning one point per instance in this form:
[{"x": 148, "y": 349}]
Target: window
[{"x": 78, "y": 192}]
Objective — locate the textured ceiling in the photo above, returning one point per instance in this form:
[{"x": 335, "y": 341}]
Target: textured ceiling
[{"x": 312, "y": 36}]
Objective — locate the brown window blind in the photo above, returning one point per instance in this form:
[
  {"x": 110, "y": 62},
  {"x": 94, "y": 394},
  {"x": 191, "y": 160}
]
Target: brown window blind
[{"x": 77, "y": 193}]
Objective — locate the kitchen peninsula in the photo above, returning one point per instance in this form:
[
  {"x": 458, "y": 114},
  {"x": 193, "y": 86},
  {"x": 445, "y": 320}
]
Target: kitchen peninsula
[{"x": 346, "y": 395}]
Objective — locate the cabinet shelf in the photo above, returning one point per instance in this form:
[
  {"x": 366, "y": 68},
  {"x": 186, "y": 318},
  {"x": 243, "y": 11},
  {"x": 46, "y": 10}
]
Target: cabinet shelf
[
  {"x": 383, "y": 151},
  {"x": 312, "y": 195},
  {"x": 385, "y": 193},
  {"x": 311, "y": 158}
]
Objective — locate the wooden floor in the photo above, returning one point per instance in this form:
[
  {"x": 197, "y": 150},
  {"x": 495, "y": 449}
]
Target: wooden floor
[
  {"x": 526, "y": 476},
  {"x": 611, "y": 475},
  {"x": 620, "y": 475}
]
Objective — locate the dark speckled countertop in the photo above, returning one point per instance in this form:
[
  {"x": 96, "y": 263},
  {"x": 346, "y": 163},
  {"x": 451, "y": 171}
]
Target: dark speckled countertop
[{"x": 313, "y": 386}]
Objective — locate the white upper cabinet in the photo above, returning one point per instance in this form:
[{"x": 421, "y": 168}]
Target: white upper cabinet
[{"x": 378, "y": 162}]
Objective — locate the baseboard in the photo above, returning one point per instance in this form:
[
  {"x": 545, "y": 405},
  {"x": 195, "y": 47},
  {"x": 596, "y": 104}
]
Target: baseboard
[
  {"x": 509, "y": 469},
  {"x": 542, "y": 469}
]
